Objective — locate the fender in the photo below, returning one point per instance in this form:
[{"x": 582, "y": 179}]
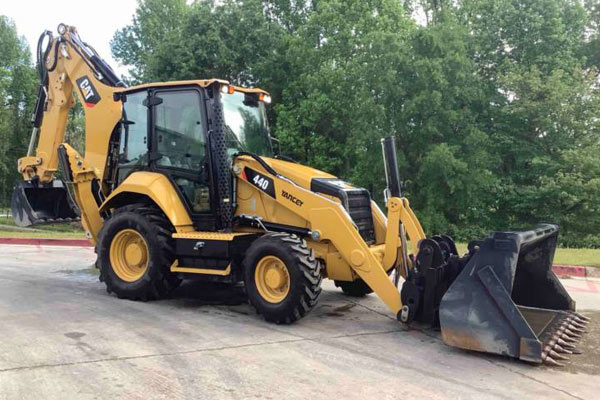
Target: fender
[{"x": 159, "y": 189}]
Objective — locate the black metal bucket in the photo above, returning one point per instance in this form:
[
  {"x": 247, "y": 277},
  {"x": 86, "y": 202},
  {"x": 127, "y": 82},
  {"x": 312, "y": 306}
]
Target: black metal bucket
[
  {"x": 507, "y": 300},
  {"x": 36, "y": 203}
]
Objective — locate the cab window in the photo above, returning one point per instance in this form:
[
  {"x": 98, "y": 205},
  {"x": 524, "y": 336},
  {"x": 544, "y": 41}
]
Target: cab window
[
  {"x": 133, "y": 146},
  {"x": 179, "y": 131}
]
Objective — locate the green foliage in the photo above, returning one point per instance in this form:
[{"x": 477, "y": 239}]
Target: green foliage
[
  {"x": 494, "y": 103},
  {"x": 17, "y": 96}
]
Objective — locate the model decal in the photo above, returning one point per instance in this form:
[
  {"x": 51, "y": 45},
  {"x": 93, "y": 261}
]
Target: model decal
[{"x": 262, "y": 182}]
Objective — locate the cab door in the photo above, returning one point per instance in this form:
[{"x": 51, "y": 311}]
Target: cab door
[
  {"x": 178, "y": 148},
  {"x": 133, "y": 144}
]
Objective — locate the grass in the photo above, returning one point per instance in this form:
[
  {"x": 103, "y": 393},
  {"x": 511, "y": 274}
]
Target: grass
[
  {"x": 587, "y": 257},
  {"x": 42, "y": 235},
  {"x": 63, "y": 231},
  {"x": 564, "y": 256},
  {"x": 66, "y": 227}
]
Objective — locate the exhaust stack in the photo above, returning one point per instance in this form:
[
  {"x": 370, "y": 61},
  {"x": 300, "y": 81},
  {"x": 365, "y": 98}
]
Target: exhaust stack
[{"x": 392, "y": 178}]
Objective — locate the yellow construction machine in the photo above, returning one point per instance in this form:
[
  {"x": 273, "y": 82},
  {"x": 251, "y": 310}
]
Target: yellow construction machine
[{"x": 179, "y": 180}]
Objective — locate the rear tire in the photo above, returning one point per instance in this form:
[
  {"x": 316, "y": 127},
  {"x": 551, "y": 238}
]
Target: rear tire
[
  {"x": 282, "y": 277},
  {"x": 357, "y": 288},
  {"x": 150, "y": 232}
]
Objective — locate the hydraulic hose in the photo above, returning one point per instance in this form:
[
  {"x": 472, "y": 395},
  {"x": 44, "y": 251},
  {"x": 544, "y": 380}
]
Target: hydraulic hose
[{"x": 38, "y": 111}]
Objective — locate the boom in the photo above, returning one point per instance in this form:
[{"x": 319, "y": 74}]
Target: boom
[{"x": 69, "y": 65}]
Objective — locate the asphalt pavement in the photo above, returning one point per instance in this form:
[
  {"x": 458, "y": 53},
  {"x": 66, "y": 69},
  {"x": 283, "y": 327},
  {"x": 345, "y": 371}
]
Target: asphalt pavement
[{"x": 63, "y": 337}]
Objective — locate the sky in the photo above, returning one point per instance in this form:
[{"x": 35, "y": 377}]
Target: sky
[{"x": 96, "y": 20}]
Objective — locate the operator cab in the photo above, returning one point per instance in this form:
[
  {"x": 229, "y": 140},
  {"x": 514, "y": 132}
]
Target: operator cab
[{"x": 169, "y": 129}]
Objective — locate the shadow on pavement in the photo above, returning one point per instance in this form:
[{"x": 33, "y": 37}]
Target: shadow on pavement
[{"x": 196, "y": 293}]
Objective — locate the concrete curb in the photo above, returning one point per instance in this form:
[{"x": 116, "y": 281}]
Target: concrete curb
[
  {"x": 47, "y": 242},
  {"x": 565, "y": 271},
  {"x": 569, "y": 270}
]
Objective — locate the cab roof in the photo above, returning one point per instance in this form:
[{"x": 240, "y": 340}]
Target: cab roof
[{"x": 200, "y": 82}]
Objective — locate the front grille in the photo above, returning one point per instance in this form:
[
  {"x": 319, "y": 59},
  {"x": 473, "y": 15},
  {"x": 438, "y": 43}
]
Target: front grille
[{"x": 359, "y": 208}]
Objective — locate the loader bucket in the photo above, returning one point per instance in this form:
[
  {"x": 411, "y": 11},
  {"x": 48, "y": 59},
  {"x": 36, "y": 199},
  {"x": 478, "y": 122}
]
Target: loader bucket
[
  {"x": 35, "y": 203},
  {"x": 506, "y": 300}
]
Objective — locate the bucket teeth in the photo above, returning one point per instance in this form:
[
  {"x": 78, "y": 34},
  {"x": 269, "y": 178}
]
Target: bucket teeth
[
  {"x": 568, "y": 339},
  {"x": 564, "y": 344},
  {"x": 557, "y": 356},
  {"x": 575, "y": 329},
  {"x": 578, "y": 325},
  {"x": 559, "y": 349},
  {"x": 550, "y": 361},
  {"x": 572, "y": 334},
  {"x": 575, "y": 350},
  {"x": 583, "y": 317}
]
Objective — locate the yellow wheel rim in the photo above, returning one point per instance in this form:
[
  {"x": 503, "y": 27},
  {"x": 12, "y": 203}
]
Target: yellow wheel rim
[
  {"x": 272, "y": 279},
  {"x": 129, "y": 255}
]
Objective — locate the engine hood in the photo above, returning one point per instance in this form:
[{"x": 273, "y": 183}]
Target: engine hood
[
  {"x": 300, "y": 174},
  {"x": 356, "y": 200}
]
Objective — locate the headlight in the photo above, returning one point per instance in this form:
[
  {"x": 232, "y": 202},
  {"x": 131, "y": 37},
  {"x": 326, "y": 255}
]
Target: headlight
[{"x": 264, "y": 97}]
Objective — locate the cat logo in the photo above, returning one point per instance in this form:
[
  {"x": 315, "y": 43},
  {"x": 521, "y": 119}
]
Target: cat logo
[{"x": 88, "y": 91}]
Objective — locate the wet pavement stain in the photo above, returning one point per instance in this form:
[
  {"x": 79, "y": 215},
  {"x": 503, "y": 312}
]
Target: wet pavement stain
[
  {"x": 92, "y": 271},
  {"x": 75, "y": 335},
  {"x": 345, "y": 308},
  {"x": 338, "y": 311}
]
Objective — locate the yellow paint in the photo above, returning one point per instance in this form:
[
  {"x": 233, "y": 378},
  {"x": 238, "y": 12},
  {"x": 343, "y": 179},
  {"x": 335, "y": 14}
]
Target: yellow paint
[
  {"x": 83, "y": 176},
  {"x": 319, "y": 213},
  {"x": 272, "y": 279},
  {"x": 300, "y": 174},
  {"x": 357, "y": 258},
  {"x": 336, "y": 267},
  {"x": 392, "y": 240},
  {"x": 252, "y": 202},
  {"x": 129, "y": 255},
  {"x": 379, "y": 223},
  {"x": 201, "y": 271},
  {"x": 209, "y": 235},
  {"x": 160, "y": 190}
]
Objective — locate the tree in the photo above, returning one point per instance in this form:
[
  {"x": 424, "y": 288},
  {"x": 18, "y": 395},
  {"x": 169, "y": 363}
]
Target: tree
[
  {"x": 494, "y": 104},
  {"x": 347, "y": 58},
  {"x": 17, "y": 96},
  {"x": 536, "y": 54},
  {"x": 154, "y": 24}
]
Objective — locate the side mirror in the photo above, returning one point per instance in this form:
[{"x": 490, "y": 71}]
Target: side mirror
[{"x": 152, "y": 101}]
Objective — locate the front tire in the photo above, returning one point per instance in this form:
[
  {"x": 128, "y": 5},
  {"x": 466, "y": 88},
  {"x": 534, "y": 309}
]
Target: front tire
[
  {"x": 282, "y": 277},
  {"x": 135, "y": 252}
]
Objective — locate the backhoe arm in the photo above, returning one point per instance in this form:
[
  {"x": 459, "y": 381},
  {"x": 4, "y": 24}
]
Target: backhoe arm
[{"x": 68, "y": 65}]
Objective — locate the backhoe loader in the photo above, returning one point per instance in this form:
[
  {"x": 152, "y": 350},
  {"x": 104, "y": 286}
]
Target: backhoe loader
[{"x": 179, "y": 180}]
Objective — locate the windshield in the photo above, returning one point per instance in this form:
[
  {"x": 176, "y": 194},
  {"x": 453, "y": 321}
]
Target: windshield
[{"x": 245, "y": 124}]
